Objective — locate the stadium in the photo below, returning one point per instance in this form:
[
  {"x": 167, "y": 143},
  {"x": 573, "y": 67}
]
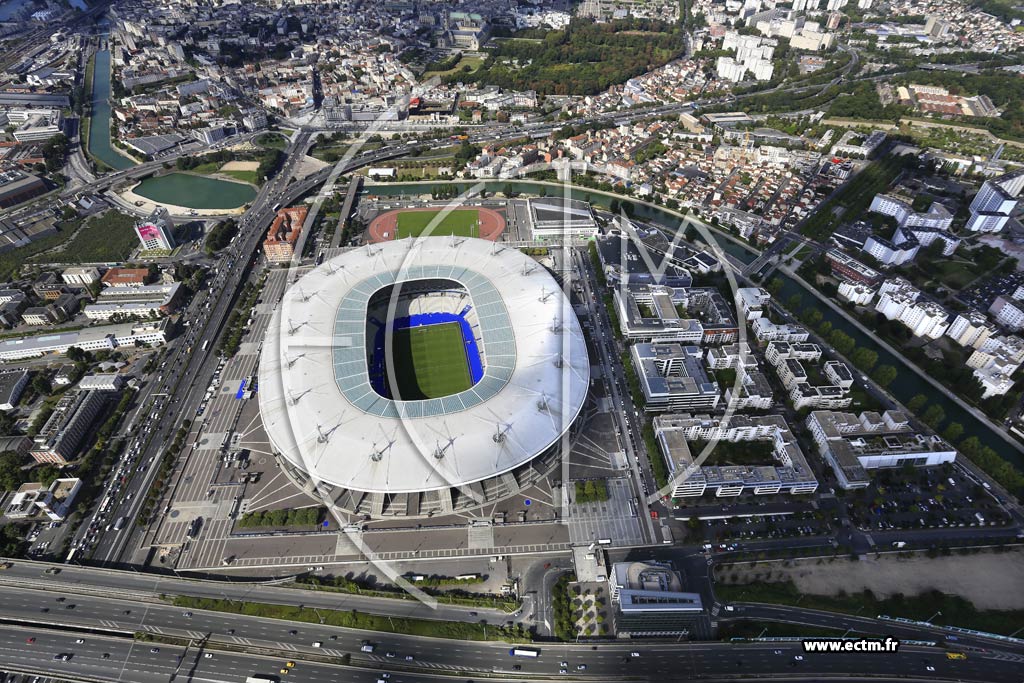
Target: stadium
[{"x": 422, "y": 377}]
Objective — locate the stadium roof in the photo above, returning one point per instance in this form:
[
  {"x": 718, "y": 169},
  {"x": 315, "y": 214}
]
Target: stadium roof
[{"x": 322, "y": 414}]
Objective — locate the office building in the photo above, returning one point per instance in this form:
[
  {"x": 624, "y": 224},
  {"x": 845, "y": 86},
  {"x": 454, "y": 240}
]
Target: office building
[
  {"x": 155, "y": 232},
  {"x": 101, "y": 337},
  {"x": 672, "y": 377},
  {"x": 284, "y": 232},
  {"x": 650, "y": 602},
  {"x": 61, "y": 436},
  {"x": 12, "y": 384},
  {"x": 786, "y": 472},
  {"x": 853, "y": 444}
]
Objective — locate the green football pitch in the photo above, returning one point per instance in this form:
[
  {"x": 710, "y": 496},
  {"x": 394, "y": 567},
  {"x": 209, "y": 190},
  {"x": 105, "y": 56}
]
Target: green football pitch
[
  {"x": 460, "y": 222},
  {"x": 429, "y": 362}
]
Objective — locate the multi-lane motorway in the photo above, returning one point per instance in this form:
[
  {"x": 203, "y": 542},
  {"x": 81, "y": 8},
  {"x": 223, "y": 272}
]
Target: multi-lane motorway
[{"x": 215, "y": 633}]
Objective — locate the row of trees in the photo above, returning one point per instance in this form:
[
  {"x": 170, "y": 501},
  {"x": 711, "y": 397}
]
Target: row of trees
[{"x": 310, "y": 516}]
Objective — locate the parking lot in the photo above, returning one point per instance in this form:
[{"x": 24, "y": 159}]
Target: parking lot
[{"x": 927, "y": 498}]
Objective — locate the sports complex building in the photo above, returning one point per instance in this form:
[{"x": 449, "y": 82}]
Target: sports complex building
[{"x": 422, "y": 377}]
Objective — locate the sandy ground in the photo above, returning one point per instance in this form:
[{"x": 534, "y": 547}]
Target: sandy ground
[
  {"x": 240, "y": 166},
  {"x": 148, "y": 205},
  {"x": 988, "y": 580},
  {"x": 307, "y": 166}
]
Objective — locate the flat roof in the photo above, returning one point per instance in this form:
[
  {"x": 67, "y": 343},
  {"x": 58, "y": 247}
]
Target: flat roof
[{"x": 322, "y": 414}]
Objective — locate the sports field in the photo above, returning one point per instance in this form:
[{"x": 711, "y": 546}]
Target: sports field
[
  {"x": 429, "y": 361},
  {"x": 460, "y": 222}
]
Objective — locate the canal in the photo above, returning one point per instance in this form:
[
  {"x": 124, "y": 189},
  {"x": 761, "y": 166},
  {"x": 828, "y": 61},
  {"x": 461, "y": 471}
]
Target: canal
[
  {"x": 99, "y": 127},
  {"x": 907, "y": 383}
]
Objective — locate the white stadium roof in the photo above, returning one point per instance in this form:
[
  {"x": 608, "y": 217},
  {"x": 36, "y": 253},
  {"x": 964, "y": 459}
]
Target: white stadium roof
[{"x": 321, "y": 413}]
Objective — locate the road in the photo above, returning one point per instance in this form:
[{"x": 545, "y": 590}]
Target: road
[
  {"x": 110, "y": 582},
  {"x": 657, "y": 661}
]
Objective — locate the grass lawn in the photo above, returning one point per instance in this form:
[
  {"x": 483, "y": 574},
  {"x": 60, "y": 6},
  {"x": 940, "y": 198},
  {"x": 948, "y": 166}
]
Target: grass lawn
[
  {"x": 244, "y": 176},
  {"x": 271, "y": 140},
  {"x": 955, "y": 274},
  {"x": 430, "y": 361},
  {"x": 461, "y": 222},
  {"x": 472, "y": 62}
]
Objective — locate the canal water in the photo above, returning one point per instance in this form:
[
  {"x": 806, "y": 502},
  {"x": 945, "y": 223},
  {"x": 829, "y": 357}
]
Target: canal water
[
  {"x": 195, "y": 191},
  {"x": 907, "y": 383},
  {"x": 99, "y": 128}
]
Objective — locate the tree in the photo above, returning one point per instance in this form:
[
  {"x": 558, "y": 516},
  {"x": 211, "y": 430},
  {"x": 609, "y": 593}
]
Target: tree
[
  {"x": 884, "y": 375},
  {"x": 865, "y": 359},
  {"x": 953, "y": 431},
  {"x": 11, "y": 474},
  {"x": 47, "y": 474},
  {"x": 842, "y": 342},
  {"x": 915, "y": 404},
  {"x": 934, "y": 416},
  {"x": 812, "y": 316},
  {"x": 41, "y": 385}
]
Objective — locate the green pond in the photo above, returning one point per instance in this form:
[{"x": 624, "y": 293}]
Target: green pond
[{"x": 195, "y": 192}]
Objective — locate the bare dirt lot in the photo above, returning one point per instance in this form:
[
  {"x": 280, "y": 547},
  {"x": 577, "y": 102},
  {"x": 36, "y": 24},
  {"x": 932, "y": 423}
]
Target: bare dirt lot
[
  {"x": 988, "y": 580},
  {"x": 240, "y": 166}
]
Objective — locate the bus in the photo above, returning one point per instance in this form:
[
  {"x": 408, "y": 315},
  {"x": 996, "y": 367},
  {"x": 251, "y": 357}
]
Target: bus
[{"x": 523, "y": 652}]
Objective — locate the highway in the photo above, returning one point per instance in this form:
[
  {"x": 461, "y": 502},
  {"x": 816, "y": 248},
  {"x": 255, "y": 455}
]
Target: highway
[
  {"x": 110, "y": 582},
  {"x": 294, "y": 641}
]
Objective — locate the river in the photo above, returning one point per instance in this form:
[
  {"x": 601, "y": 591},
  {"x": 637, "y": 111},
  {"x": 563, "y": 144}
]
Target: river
[{"x": 907, "y": 383}]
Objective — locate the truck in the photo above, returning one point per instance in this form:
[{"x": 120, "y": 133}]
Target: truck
[
  {"x": 523, "y": 652},
  {"x": 119, "y": 523},
  {"x": 206, "y": 344},
  {"x": 260, "y": 679}
]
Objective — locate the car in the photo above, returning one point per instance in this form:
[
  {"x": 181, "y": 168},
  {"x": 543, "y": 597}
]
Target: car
[
  {"x": 284, "y": 671},
  {"x": 62, "y": 656},
  {"x": 929, "y": 668},
  {"x": 71, "y": 606},
  {"x": 389, "y": 654},
  {"x": 634, "y": 653},
  {"x": 30, "y": 640},
  {"x": 581, "y": 667},
  {"x": 563, "y": 664},
  {"x": 79, "y": 641},
  {"x": 408, "y": 658},
  {"x": 61, "y": 599},
  {"x": 154, "y": 650},
  {"x": 293, "y": 632},
  {"x": 778, "y": 652},
  {"x": 798, "y": 658},
  {"x": 44, "y": 610},
  {"x": 290, "y": 664},
  {"x": 186, "y": 614},
  {"x": 207, "y": 655},
  {"x": 106, "y": 655}
]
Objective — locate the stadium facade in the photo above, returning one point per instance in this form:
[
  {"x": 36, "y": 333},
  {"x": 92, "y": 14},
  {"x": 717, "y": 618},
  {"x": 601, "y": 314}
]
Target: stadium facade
[{"x": 331, "y": 397}]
